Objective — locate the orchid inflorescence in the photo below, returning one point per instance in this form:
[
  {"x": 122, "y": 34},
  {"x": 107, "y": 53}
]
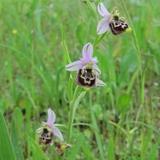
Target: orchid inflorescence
[
  {"x": 87, "y": 70},
  {"x": 88, "y": 74}
]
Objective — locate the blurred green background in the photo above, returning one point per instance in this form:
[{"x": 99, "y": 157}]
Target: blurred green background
[{"x": 120, "y": 121}]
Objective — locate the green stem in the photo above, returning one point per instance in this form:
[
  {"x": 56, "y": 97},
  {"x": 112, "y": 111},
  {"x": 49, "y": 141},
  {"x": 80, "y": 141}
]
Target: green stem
[
  {"x": 139, "y": 55},
  {"x": 99, "y": 39},
  {"x": 73, "y": 106},
  {"x": 96, "y": 129}
]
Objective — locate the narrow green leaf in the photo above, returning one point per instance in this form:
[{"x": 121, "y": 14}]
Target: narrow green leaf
[
  {"x": 111, "y": 149},
  {"x": 6, "y": 148},
  {"x": 17, "y": 136},
  {"x": 123, "y": 102}
]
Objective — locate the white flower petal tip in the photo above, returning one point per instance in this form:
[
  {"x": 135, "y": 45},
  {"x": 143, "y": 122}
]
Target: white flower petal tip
[
  {"x": 58, "y": 134},
  {"x": 38, "y": 131},
  {"x": 87, "y": 51},
  {"x": 103, "y": 26},
  {"x": 96, "y": 68},
  {"x": 51, "y": 118},
  {"x": 102, "y": 10},
  {"x": 74, "y": 66},
  {"x": 100, "y": 83}
]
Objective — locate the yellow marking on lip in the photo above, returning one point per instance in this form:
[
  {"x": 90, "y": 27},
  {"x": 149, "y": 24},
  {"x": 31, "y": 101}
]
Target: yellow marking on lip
[
  {"x": 89, "y": 65},
  {"x": 129, "y": 29}
]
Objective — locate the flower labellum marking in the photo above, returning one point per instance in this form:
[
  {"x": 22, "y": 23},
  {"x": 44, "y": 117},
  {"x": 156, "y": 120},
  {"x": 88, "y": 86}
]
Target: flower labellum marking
[
  {"x": 46, "y": 136},
  {"x": 118, "y": 25},
  {"x": 86, "y": 77}
]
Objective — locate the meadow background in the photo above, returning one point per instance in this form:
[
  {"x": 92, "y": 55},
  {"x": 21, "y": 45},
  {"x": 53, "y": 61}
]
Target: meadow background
[{"x": 120, "y": 121}]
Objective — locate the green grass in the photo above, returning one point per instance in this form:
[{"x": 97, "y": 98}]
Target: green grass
[{"x": 120, "y": 121}]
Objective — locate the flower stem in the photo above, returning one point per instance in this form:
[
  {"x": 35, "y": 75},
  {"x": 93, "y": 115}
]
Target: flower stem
[
  {"x": 137, "y": 73},
  {"x": 73, "y": 106},
  {"x": 99, "y": 39},
  {"x": 96, "y": 129}
]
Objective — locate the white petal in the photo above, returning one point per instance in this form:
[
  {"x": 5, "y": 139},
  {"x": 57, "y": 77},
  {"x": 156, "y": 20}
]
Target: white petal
[
  {"x": 51, "y": 117},
  {"x": 74, "y": 66},
  {"x": 87, "y": 52},
  {"x": 103, "y": 26},
  {"x": 94, "y": 60},
  {"x": 95, "y": 67},
  {"x": 57, "y": 133},
  {"x": 102, "y": 10},
  {"x": 39, "y": 130},
  {"x": 100, "y": 83}
]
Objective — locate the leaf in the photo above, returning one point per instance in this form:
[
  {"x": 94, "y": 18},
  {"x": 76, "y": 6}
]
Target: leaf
[
  {"x": 111, "y": 149},
  {"x": 123, "y": 102},
  {"x": 80, "y": 33},
  {"x": 17, "y": 135},
  {"x": 6, "y": 147},
  {"x": 37, "y": 153},
  {"x": 80, "y": 148}
]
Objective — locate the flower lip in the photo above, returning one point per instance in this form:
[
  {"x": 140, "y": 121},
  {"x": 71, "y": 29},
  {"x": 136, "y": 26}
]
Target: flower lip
[
  {"x": 86, "y": 77},
  {"x": 89, "y": 77},
  {"x": 118, "y": 25},
  {"x": 46, "y": 136}
]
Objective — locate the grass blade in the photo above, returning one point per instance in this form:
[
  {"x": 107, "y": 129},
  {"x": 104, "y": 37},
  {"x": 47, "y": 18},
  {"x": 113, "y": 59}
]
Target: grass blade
[{"x": 6, "y": 148}]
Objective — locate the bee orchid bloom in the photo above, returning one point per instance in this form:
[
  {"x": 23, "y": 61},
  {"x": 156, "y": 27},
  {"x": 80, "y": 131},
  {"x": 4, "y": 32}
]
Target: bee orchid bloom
[
  {"x": 88, "y": 71},
  {"x": 110, "y": 22},
  {"x": 49, "y": 130},
  {"x": 51, "y": 124}
]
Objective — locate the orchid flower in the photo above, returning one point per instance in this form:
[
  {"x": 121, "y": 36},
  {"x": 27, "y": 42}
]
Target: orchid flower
[
  {"x": 110, "y": 22},
  {"x": 51, "y": 124},
  {"x": 49, "y": 130},
  {"x": 88, "y": 71}
]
